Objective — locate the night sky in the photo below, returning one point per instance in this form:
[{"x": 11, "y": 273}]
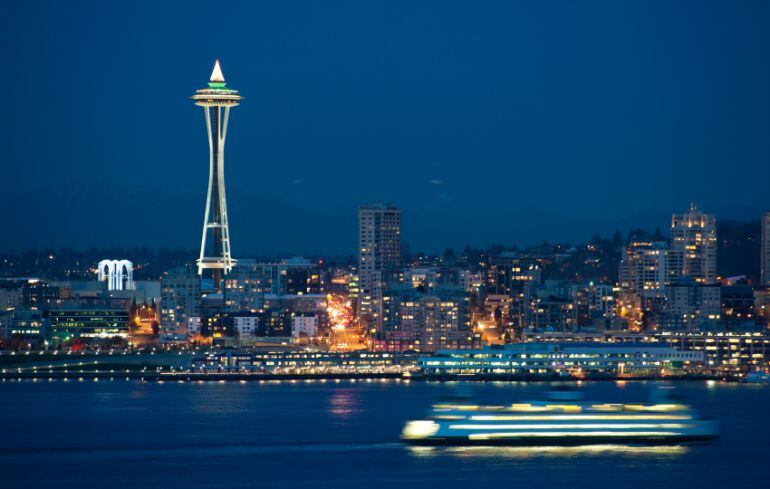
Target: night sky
[{"x": 485, "y": 122}]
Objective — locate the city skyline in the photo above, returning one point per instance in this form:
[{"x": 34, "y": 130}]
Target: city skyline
[
  {"x": 455, "y": 244},
  {"x": 515, "y": 140}
]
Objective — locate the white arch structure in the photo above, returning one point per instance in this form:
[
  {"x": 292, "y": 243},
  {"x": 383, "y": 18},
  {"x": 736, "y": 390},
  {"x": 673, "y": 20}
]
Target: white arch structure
[{"x": 119, "y": 274}]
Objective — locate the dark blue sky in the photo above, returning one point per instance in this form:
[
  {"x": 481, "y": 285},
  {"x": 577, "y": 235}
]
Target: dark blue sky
[{"x": 486, "y": 122}]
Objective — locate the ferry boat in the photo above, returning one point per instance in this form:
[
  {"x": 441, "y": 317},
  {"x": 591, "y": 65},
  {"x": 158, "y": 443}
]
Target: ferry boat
[{"x": 559, "y": 423}]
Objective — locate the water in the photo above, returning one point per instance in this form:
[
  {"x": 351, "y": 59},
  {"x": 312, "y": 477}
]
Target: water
[{"x": 117, "y": 434}]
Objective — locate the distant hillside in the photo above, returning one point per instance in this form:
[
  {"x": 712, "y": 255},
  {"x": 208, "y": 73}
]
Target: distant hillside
[{"x": 739, "y": 247}]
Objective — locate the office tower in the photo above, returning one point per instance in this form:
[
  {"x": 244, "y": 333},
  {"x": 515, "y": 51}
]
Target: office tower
[
  {"x": 765, "y": 254},
  {"x": 216, "y": 101},
  {"x": 379, "y": 248},
  {"x": 694, "y": 235}
]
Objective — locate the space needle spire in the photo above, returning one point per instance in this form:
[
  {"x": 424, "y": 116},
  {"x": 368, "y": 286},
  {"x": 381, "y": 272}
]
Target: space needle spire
[{"x": 217, "y": 100}]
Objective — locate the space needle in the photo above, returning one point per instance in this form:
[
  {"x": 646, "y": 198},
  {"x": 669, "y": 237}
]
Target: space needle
[{"x": 216, "y": 100}]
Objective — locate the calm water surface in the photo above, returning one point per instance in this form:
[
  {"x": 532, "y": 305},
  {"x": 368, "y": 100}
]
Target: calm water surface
[{"x": 193, "y": 435}]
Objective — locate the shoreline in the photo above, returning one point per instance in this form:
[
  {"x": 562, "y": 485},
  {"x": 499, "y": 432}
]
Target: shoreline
[{"x": 246, "y": 377}]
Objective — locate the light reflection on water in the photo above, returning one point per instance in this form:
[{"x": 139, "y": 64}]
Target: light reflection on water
[
  {"x": 344, "y": 403},
  {"x": 530, "y": 452}
]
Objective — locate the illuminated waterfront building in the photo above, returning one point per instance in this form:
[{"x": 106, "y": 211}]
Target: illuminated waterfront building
[
  {"x": 543, "y": 358},
  {"x": 305, "y": 362},
  {"x": 724, "y": 350},
  {"x": 91, "y": 324},
  {"x": 694, "y": 235},
  {"x": 216, "y": 100},
  {"x": 379, "y": 256},
  {"x": 731, "y": 350}
]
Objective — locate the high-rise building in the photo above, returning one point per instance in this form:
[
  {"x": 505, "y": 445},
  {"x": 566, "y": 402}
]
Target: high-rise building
[
  {"x": 216, "y": 100},
  {"x": 694, "y": 234},
  {"x": 646, "y": 268},
  {"x": 180, "y": 299},
  {"x": 379, "y": 256},
  {"x": 765, "y": 265}
]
